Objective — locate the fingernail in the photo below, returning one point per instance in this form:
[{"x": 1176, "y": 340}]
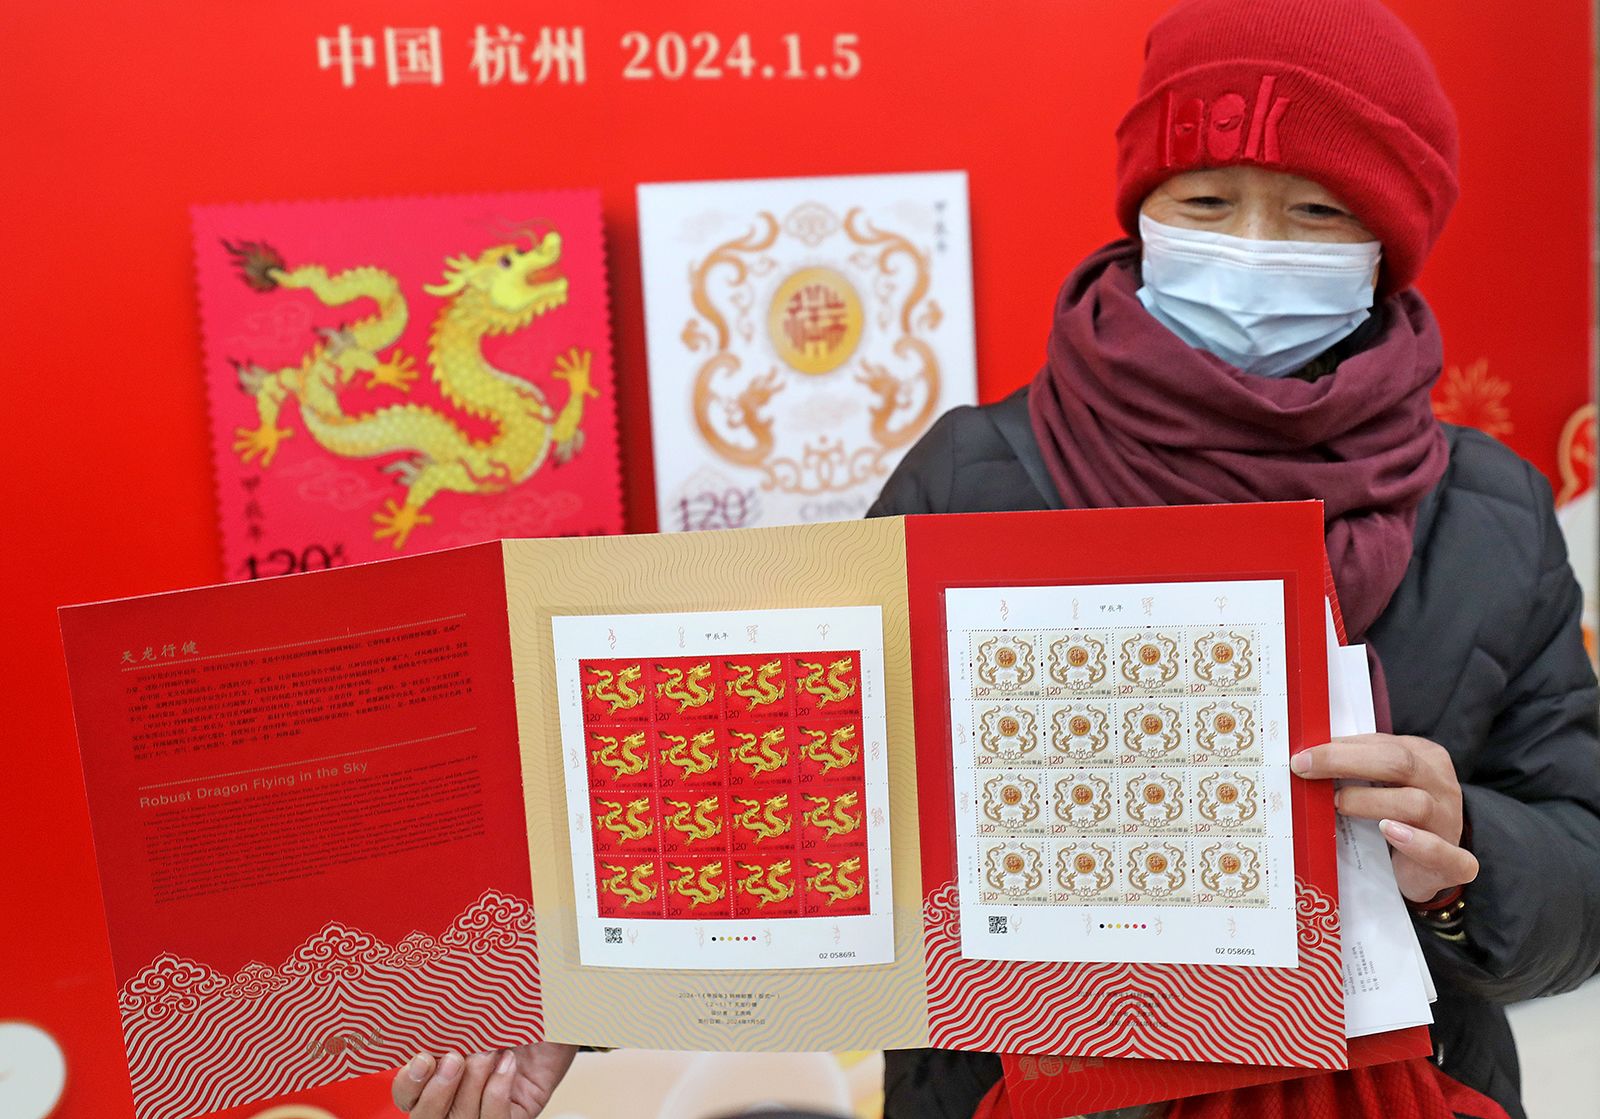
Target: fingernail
[
  {"x": 449, "y": 1066},
  {"x": 1396, "y": 831},
  {"x": 419, "y": 1067},
  {"x": 507, "y": 1063},
  {"x": 1301, "y": 763}
]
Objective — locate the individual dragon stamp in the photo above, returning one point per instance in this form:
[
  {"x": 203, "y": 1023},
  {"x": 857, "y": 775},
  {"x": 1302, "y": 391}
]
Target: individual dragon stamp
[
  {"x": 1223, "y": 661},
  {"x": 1015, "y": 870},
  {"x": 1005, "y": 663},
  {"x": 1085, "y": 871},
  {"x": 1228, "y": 802},
  {"x": 1156, "y": 872},
  {"x": 1083, "y": 803},
  {"x": 1226, "y": 731},
  {"x": 1080, "y": 732},
  {"x": 393, "y": 376},
  {"x": 1231, "y": 871},
  {"x": 1012, "y": 803},
  {"x": 1078, "y": 662},
  {"x": 1008, "y": 734}
]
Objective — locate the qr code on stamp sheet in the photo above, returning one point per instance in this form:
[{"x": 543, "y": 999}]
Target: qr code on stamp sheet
[
  {"x": 997, "y": 925},
  {"x": 613, "y": 934}
]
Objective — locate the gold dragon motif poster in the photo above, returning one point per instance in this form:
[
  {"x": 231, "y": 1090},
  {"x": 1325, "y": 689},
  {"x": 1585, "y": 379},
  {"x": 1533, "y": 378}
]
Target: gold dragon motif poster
[{"x": 803, "y": 333}]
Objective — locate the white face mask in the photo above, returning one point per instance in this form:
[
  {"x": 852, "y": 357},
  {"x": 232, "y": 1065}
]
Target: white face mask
[{"x": 1266, "y": 307}]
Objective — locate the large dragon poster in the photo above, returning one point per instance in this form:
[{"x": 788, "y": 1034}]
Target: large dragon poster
[
  {"x": 803, "y": 333},
  {"x": 394, "y": 376}
]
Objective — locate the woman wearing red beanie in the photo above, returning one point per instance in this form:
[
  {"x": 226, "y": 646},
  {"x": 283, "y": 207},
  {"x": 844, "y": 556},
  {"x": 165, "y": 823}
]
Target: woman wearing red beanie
[{"x": 1282, "y": 175}]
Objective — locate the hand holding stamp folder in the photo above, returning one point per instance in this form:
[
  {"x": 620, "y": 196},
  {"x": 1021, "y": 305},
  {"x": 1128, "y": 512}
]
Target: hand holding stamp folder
[{"x": 837, "y": 786}]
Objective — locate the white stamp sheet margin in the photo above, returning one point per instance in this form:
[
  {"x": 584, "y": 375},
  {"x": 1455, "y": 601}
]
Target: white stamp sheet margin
[{"x": 1122, "y": 787}]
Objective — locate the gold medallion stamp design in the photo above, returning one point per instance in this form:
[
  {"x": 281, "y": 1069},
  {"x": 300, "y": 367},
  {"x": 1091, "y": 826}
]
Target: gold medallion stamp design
[
  {"x": 1005, "y": 664},
  {"x": 1232, "y": 871},
  {"x": 1154, "y": 802},
  {"x": 1157, "y": 872},
  {"x": 860, "y": 329},
  {"x": 814, "y": 321},
  {"x": 1008, "y": 734},
  {"x": 1014, "y": 871},
  {"x": 1150, "y": 662},
  {"x": 1224, "y": 660},
  {"x": 1082, "y": 804},
  {"x": 1152, "y": 732},
  {"x": 1228, "y": 801},
  {"x": 1011, "y": 803},
  {"x": 1226, "y": 730},
  {"x": 1085, "y": 872},
  {"x": 1080, "y": 732},
  {"x": 1078, "y": 663}
]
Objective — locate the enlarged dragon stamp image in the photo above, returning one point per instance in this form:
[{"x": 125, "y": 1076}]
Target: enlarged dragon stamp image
[
  {"x": 394, "y": 376},
  {"x": 802, "y": 334}
]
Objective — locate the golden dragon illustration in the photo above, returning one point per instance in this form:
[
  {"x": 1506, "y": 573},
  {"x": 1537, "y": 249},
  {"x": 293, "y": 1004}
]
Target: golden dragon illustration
[
  {"x": 756, "y": 685},
  {"x": 769, "y": 883},
  {"x": 699, "y": 885},
  {"x": 830, "y": 878},
  {"x": 617, "y": 688},
  {"x": 832, "y": 815},
  {"x": 760, "y": 751},
  {"x": 826, "y": 684},
  {"x": 634, "y": 887},
  {"x": 833, "y": 749},
  {"x": 624, "y": 756},
  {"x": 630, "y": 824},
  {"x": 702, "y": 821},
  {"x": 690, "y": 752},
  {"x": 503, "y": 289},
  {"x": 686, "y": 688},
  {"x": 767, "y": 819}
]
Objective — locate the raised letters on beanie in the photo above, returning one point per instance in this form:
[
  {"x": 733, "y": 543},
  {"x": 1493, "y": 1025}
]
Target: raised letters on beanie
[{"x": 1337, "y": 91}]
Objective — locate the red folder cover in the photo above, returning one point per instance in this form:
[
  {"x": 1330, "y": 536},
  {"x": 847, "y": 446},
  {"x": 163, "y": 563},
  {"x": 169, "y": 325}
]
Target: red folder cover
[
  {"x": 1288, "y": 1015},
  {"x": 275, "y": 770}
]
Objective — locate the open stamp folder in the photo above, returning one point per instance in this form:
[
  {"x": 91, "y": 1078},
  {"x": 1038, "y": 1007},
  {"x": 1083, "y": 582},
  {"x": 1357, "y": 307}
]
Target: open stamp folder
[{"x": 1011, "y": 782}]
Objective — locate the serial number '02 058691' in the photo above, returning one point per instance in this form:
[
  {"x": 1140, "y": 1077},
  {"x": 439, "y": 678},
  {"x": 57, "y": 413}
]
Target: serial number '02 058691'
[{"x": 700, "y": 55}]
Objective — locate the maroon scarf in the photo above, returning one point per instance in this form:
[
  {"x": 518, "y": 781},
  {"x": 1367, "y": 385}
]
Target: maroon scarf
[{"x": 1127, "y": 413}]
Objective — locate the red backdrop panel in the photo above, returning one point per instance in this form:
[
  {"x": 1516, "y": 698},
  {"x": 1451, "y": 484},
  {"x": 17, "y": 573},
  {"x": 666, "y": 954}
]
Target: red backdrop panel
[{"x": 119, "y": 116}]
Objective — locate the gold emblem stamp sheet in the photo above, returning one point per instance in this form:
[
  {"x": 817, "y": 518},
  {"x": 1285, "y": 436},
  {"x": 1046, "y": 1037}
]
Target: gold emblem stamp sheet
[
  {"x": 1121, "y": 770},
  {"x": 727, "y": 780},
  {"x": 802, "y": 334}
]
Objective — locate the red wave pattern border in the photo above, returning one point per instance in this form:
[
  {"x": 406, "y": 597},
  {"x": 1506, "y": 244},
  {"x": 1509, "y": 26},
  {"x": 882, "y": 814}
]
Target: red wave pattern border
[
  {"x": 1238, "y": 1015},
  {"x": 343, "y": 1004}
]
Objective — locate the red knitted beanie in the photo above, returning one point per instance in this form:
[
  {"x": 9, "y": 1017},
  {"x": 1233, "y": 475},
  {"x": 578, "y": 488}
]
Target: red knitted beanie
[{"x": 1337, "y": 91}]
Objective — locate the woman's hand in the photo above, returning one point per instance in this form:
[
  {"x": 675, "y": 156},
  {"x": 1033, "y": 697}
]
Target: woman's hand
[
  {"x": 504, "y": 1084},
  {"x": 1417, "y": 803}
]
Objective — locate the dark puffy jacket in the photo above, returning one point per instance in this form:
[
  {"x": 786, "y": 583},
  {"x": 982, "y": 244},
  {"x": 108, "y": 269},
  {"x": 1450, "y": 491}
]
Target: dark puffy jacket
[{"x": 1483, "y": 653}]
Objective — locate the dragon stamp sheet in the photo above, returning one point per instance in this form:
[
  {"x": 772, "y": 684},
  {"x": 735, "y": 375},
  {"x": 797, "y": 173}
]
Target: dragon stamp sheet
[
  {"x": 388, "y": 377},
  {"x": 803, "y": 333},
  {"x": 731, "y": 805}
]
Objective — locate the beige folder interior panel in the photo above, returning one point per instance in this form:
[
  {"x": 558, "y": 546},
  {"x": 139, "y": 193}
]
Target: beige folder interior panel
[{"x": 810, "y": 567}]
